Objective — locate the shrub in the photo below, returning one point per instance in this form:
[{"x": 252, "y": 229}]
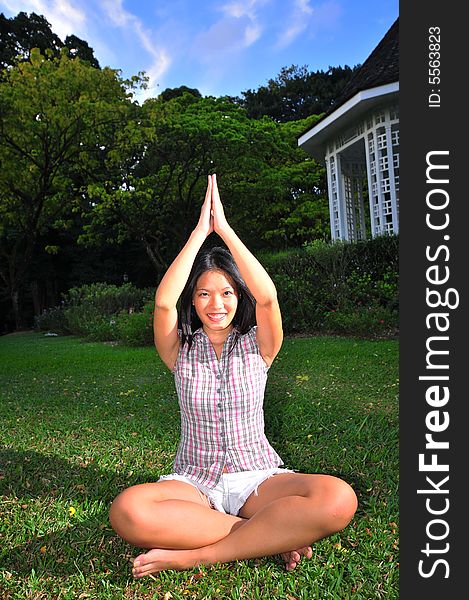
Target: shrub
[
  {"x": 362, "y": 321},
  {"x": 136, "y": 328},
  {"x": 53, "y": 319},
  {"x": 344, "y": 288},
  {"x": 338, "y": 287},
  {"x": 99, "y": 312},
  {"x": 107, "y": 299}
]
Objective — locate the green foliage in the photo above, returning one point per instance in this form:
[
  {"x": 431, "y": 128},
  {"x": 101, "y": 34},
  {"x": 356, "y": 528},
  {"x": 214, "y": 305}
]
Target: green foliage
[
  {"x": 280, "y": 200},
  {"x": 157, "y": 173},
  {"x": 361, "y": 321},
  {"x": 53, "y": 320},
  {"x": 136, "y": 328},
  {"x": 170, "y": 93},
  {"x": 91, "y": 326},
  {"x": 58, "y": 121},
  {"x": 103, "y": 312},
  {"x": 272, "y": 193},
  {"x": 297, "y": 93},
  {"x": 82, "y": 162},
  {"x": 20, "y": 34},
  {"x": 106, "y": 299},
  {"x": 338, "y": 288}
]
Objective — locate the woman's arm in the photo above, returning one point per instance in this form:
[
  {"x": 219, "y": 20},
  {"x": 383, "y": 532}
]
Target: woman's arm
[
  {"x": 268, "y": 316},
  {"x": 165, "y": 319}
]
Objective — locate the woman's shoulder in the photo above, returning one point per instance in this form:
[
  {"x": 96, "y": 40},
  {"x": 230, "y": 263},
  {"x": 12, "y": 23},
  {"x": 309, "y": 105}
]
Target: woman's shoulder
[
  {"x": 253, "y": 333},
  {"x": 248, "y": 339},
  {"x": 250, "y": 347}
]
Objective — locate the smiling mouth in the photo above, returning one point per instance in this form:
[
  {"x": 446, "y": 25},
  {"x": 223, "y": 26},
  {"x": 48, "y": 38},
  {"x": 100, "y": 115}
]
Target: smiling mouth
[{"x": 216, "y": 316}]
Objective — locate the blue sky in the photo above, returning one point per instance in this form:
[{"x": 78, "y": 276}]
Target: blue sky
[{"x": 217, "y": 46}]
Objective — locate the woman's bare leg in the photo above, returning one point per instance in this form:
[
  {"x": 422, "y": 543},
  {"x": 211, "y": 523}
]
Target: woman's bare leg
[
  {"x": 174, "y": 515},
  {"x": 290, "y": 511},
  {"x": 168, "y": 514}
]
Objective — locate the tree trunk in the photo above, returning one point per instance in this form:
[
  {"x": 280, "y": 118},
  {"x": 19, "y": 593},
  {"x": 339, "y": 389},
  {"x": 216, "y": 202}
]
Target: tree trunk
[
  {"x": 38, "y": 305},
  {"x": 159, "y": 264},
  {"x": 15, "y": 301}
]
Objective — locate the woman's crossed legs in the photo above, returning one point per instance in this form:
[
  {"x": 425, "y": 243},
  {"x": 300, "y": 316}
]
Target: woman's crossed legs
[{"x": 290, "y": 510}]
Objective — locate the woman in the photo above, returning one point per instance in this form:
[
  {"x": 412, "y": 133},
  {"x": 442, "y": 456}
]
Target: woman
[{"x": 228, "y": 498}]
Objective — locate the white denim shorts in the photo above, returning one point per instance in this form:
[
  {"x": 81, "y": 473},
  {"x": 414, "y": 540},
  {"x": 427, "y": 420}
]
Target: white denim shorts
[{"x": 233, "y": 489}]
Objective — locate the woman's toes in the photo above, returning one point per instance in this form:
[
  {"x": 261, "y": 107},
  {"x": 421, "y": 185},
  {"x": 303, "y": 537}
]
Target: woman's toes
[
  {"x": 138, "y": 560},
  {"x": 293, "y": 558},
  {"x": 291, "y": 565}
]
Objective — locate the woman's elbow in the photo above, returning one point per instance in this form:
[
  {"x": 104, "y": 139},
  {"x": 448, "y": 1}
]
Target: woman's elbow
[{"x": 268, "y": 300}]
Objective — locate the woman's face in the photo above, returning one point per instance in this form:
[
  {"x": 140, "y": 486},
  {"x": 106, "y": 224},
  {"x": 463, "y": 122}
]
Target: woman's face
[{"x": 215, "y": 300}]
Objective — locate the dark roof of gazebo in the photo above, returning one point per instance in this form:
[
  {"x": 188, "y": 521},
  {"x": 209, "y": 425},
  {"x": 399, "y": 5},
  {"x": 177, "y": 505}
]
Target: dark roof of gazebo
[{"x": 381, "y": 67}]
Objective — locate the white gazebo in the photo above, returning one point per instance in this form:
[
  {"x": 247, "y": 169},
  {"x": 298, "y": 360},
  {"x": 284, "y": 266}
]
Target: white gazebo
[{"x": 358, "y": 140}]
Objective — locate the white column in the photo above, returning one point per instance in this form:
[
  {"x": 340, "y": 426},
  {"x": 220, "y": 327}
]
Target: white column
[
  {"x": 349, "y": 204},
  {"x": 360, "y": 202},
  {"x": 392, "y": 183},
  {"x": 370, "y": 182},
  {"x": 330, "y": 195},
  {"x": 341, "y": 200},
  {"x": 379, "y": 181}
]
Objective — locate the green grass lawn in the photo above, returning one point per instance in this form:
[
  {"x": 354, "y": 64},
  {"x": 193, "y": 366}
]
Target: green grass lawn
[{"x": 79, "y": 422}]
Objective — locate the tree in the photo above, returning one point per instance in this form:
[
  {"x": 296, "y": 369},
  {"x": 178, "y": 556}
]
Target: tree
[
  {"x": 58, "y": 120},
  {"x": 159, "y": 173},
  {"x": 79, "y": 48},
  {"x": 280, "y": 198},
  {"x": 269, "y": 186},
  {"x": 170, "y": 93},
  {"x": 296, "y": 93},
  {"x": 20, "y": 34}
]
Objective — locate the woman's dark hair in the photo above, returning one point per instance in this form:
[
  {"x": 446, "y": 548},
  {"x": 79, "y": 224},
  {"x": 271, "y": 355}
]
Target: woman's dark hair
[{"x": 216, "y": 259}]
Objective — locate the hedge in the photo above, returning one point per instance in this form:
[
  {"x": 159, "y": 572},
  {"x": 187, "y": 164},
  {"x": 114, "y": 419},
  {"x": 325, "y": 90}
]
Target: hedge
[{"x": 331, "y": 288}]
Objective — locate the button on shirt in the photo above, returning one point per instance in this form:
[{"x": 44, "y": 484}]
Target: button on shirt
[{"x": 221, "y": 405}]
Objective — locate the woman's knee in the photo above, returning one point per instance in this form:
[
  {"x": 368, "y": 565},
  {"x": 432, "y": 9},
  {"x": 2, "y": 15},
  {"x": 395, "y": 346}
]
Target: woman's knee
[
  {"x": 141, "y": 508},
  {"x": 128, "y": 512},
  {"x": 334, "y": 500},
  {"x": 341, "y": 503},
  {"x": 122, "y": 509}
]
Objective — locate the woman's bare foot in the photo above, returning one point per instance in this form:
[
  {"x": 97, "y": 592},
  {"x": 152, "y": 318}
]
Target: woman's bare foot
[
  {"x": 293, "y": 558},
  {"x": 158, "y": 559}
]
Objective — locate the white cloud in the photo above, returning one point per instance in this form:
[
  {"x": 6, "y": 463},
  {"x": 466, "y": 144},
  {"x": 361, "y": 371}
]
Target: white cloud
[
  {"x": 309, "y": 20},
  {"x": 223, "y": 47},
  {"x": 251, "y": 34},
  {"x": 299, "y": 21},
  {"x": 226, "y": 36},
  {"x": 83, "y": 19},
  {"x": 160, "y": 57},
  {"x": 241, "y": 8},
  {"x": 237, "y": 10},
  {"x": 303, "y": 7},
  {"x": 239, "y": 28}
]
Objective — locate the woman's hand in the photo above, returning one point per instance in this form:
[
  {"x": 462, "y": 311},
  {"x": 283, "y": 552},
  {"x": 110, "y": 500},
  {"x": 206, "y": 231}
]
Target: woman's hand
[
  {"x": 220, "y": 224},
  {"x": 205, "y": 223}
]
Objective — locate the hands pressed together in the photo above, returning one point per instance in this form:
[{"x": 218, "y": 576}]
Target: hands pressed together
[{"x": 212, "y": 216}]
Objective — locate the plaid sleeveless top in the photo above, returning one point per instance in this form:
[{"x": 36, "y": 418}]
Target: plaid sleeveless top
[{"x": 221, "y": 406}]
